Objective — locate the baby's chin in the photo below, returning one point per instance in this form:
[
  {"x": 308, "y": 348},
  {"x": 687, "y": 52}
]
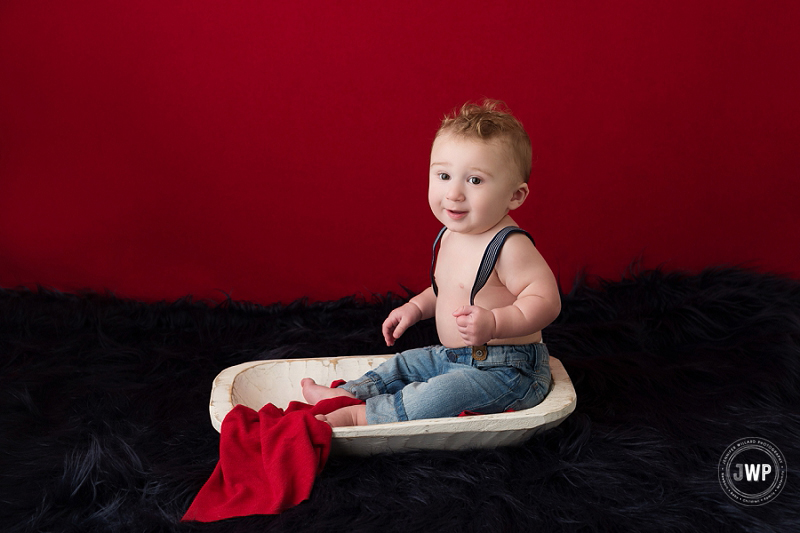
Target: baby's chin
[{"x": 467, "y": 229}]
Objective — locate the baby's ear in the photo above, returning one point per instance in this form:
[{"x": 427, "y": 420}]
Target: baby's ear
[{"x": 518, "y": 196}]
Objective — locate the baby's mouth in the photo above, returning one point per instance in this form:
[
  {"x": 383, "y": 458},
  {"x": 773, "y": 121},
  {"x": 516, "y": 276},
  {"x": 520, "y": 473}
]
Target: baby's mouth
[{"x": 455, "y": 215}]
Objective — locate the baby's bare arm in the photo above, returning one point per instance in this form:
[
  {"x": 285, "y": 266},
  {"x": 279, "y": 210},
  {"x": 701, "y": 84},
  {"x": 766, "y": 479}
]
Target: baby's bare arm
[
  {"x": 524, "y": 272},
  {"x": 420, "y": 307},
  {"x": 426, "y": 302}
]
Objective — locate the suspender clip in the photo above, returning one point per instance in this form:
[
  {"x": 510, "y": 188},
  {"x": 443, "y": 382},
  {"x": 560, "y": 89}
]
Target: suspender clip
[{"x": 479, "y": 353}]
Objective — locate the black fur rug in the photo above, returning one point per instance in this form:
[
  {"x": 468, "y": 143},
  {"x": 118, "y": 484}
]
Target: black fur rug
[{"x": 104, "y": 420}]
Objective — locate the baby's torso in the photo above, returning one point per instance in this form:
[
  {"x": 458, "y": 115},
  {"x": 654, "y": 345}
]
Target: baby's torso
[{"x": 457, "y": 265}]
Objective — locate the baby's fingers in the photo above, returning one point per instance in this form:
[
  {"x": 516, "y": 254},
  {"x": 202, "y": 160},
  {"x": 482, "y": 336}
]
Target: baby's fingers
[
  {"x": 463, "y": 310},
  {"x": 465, "y": 336},
  {"x": 401, "y": 328},
  {"x": 389, "y": 326}
]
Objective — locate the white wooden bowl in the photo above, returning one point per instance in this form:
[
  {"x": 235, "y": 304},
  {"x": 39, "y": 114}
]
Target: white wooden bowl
[{"x": 257, "y": 383}]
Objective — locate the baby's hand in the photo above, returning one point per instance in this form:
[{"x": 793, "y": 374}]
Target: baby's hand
[
  {"x": 475, "y": 324},
  {"x": 399, "y": 320}
]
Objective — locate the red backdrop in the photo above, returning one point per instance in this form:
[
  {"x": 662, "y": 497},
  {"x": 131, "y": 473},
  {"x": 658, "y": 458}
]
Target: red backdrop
[{"x": 277, "y": 150}]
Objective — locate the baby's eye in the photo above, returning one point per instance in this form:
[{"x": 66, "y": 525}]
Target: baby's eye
[
  {"x": 444, "y": 176},
  {"x": 474, "y": 180}
]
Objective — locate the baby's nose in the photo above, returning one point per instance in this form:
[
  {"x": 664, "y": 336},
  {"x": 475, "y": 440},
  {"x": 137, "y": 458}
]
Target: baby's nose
[{"x": 454, "y": 192}]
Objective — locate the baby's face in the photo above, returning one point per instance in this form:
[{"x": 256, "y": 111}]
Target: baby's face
[{"x": 473, "y": 184}]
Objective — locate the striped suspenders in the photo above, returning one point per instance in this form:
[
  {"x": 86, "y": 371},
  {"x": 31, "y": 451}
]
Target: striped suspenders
[{"x": 487, "y": 262}]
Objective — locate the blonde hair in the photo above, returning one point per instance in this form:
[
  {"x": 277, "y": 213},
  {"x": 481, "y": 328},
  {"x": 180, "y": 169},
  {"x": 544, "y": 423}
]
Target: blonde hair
[{"x": 489, "y": 120}]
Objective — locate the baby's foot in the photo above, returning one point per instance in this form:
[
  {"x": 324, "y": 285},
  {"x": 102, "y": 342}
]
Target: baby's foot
[
  {"x": 313, "y": 392},
  {"x": 354, "y": 415}
]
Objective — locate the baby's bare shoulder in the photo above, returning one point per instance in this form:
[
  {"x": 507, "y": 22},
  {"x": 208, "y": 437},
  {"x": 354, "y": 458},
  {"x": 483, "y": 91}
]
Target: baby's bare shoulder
[
  {"x": 518, "y": 247},
  {"x": 520, "y": 263}
]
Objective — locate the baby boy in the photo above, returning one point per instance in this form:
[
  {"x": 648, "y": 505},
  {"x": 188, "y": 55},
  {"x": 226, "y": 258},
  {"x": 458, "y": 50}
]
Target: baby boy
[{"x": 491, "y": 290}]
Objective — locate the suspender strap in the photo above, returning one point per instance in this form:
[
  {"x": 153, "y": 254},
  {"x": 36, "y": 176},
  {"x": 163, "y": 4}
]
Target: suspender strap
[
  {"x": 490, "y": 258},
  {"x": 433, "y": 261},
  {"x": 487, "y": 262}
]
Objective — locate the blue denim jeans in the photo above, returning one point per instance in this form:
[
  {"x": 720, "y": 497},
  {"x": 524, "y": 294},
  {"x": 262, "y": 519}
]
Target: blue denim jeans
[{"x": 436, "y": 382}]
